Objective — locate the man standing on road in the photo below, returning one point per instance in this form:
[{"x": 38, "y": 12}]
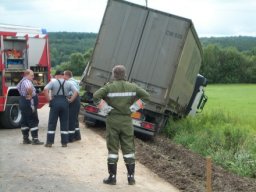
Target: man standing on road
[
  {"x": 120, "y": 95},
  {"x": 28, "y": 102},
  {"x": 74, "y": 109},
  {"x": 59, "y": 107}
]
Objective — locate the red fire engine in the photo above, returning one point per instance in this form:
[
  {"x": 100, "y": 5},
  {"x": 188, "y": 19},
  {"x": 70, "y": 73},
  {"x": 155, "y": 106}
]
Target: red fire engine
[{"x": 21, "y": 48}]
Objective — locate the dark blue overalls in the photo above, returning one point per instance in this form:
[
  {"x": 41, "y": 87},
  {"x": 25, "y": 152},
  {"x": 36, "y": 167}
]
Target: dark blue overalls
[
  {"x": 59, "y": 108},
  {"x": 29, "y": 119},
  {"x": 74, "y": 130}
]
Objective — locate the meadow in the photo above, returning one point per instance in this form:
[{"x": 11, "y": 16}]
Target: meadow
[{"x": 224, "y": 130}]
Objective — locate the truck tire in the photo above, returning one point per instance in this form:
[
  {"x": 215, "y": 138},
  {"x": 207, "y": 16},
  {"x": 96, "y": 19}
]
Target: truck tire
[{"x": 11, "y": 117}]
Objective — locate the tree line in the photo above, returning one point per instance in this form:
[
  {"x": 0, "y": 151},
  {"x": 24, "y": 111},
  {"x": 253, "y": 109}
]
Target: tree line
[
  {"x": 229, "y": 59},
  {"x": 225, "y": 59}
]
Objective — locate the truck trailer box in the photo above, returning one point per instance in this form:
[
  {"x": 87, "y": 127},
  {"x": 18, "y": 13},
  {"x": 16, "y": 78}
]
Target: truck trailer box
[{"x": 160, "y": 51}]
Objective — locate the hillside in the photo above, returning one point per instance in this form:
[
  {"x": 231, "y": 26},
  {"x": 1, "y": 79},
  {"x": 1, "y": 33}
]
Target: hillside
[
  {"x": 242, "y": 43},
  {"x": 63, "y": 44}
]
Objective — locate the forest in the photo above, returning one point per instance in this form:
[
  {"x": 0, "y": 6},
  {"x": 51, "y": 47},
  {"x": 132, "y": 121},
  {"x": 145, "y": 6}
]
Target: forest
[{"x": 225, "y": 59}]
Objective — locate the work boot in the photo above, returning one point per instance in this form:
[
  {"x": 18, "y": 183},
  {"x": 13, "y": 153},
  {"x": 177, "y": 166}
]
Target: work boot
[
  {"x": 48, "y": 145},
  {"x": 64, "y": 145},
  {"x": 111, "y": 180},
  {"x": 26, "y": 139},
  {"x": 130, "y": 175},
  {"x": 37, "y": 142}
]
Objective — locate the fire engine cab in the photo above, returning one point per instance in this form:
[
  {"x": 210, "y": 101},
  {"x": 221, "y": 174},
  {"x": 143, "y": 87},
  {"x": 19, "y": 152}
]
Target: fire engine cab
[{"x": 21, "y": 48}]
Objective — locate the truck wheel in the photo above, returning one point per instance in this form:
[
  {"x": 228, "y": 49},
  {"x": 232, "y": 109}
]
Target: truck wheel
[{"x": 11, "y": 117}]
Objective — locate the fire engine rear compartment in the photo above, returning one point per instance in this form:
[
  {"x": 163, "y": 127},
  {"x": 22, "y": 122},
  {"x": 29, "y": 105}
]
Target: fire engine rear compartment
[
  {"x": 21, "y": 48},
  {"x": 16, "y": 61}
]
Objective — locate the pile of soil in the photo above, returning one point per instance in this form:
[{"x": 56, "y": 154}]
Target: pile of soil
[{"x": 184, "y": 169}]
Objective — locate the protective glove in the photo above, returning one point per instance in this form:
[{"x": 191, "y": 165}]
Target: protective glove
[
  {"x": 139, "y": 104},
  {"x": 104, "y": 107}
]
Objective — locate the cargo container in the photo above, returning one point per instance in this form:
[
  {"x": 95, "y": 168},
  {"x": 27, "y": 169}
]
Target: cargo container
[{"x": 161, "y": 53}]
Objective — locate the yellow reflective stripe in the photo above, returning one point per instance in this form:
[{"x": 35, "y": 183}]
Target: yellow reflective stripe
[{"x": 121, "y": 94}]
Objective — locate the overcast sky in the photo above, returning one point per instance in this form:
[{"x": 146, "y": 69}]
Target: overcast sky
[{"x": 210, "y": 17}]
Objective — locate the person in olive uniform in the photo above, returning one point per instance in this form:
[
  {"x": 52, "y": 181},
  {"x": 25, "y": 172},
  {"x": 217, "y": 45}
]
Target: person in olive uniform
[
  {"x": 120, "y": 95},
  {"x": 59, "y": 106}
]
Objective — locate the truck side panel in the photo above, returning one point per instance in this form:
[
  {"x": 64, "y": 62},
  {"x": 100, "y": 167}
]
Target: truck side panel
[
  {"x": 185, "y": 77},
  {"x": 117, "y": 42}
]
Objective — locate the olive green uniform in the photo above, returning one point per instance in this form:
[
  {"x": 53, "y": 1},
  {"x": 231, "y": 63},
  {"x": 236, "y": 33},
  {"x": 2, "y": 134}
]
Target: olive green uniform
[{"x": 120, "y": 95}]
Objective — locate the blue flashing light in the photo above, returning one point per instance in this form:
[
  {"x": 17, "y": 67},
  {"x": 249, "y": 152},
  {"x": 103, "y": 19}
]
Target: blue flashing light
[{"x": 44, "y": 31}]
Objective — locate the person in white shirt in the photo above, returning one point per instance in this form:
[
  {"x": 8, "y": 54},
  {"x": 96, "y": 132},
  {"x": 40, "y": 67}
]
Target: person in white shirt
[{"x": 74, "y": 108}]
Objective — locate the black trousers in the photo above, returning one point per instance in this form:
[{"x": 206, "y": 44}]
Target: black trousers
[{"x": 74, "y": 130}]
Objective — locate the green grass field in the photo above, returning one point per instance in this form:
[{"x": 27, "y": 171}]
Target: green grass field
[
  {"x": 236, "y": 99},
  {"x": 225, "y": 130}
]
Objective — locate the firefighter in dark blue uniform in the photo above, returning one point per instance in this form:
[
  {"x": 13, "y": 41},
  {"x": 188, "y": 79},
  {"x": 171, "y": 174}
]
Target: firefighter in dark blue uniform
[
  {"x": 120, "y": 96},
  {"x": 74, "y": 108},
  {"x": 28, "y": 102},
  {"x": 59, "y": 107}
]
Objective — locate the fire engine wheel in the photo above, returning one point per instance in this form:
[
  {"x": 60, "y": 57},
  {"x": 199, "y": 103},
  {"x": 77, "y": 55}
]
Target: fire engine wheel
[{"x": 11, "y": 117}]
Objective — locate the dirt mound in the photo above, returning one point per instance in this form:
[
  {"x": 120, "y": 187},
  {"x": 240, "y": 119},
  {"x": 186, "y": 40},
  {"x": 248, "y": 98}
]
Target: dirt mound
[{"x": 186, "y": 170}]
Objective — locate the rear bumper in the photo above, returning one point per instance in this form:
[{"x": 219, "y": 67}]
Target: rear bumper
[{"x": 103, "y": 119}]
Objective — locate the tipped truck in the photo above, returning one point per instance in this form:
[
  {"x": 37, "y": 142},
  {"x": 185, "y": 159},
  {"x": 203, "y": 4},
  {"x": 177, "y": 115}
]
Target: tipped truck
[{"x": 161, "y": 53}]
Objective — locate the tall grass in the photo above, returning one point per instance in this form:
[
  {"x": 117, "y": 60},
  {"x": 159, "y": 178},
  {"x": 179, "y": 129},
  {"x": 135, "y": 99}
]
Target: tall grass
[{"x": 224, "y": 130}]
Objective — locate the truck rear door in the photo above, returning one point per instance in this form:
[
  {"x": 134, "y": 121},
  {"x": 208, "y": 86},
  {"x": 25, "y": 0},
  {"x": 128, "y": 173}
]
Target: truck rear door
[
  {"x": 158, "y": 54},
  {"x": 117, "y": 42}
]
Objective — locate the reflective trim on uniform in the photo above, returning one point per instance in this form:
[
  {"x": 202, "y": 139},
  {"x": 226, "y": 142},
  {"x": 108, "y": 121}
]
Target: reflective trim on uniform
[
  {"x": 112, "y": 156},
  {"x": 77, "y": 129},
  {"x": 51, "y": 132},
  {"x": 121, "y": 94},
  {"x": 34, "y": 129},
  {"x": 64, "y": 132},
  {"x": 24, "y": 128},
  {"x": 71, "y": 131},
  {"x": 130, "y": 155}
]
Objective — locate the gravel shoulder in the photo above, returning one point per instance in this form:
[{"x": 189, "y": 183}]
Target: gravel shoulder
[{"x": 79, "y": 167}]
